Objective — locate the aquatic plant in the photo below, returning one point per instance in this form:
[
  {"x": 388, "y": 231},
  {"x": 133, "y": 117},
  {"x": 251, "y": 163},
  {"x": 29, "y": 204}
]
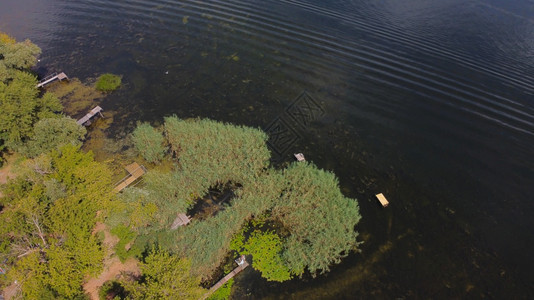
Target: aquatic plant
[{"x": 108, "y": 82}]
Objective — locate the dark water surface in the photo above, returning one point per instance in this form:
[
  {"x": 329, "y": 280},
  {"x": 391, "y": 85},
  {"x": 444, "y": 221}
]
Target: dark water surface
[{"x": 429, "y": 102}]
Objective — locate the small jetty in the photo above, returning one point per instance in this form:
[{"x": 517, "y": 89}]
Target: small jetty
[
  {"x": 51, "y": 78},
  {"x": 181, "y": 220},
  {"x": 382, "y": 199},
  {"x": 134, "y": 172},
  {"x": 241, "y": 265},
  {"x": 86, "y": 120},
  {"x": 299, "y": 157}
]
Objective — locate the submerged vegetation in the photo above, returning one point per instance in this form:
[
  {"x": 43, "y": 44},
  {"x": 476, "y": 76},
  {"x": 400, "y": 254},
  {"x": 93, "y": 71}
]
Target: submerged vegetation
[
  {"x": 291, "y": 221},
  {"x": 108, "y": 82}
]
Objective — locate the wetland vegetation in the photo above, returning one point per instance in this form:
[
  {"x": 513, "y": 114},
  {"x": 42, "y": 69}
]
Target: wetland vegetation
[{"x": 61, "y": 223}]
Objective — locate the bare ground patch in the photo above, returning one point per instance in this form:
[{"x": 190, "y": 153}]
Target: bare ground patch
[{"x": 113, "y": 267}]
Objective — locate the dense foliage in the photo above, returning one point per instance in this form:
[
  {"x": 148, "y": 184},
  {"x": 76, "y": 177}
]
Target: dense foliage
[
  {"x": 20, "y": 102},
  {"x": 53, "y": 133},
  {"x": 314, "y": 221},
  {"x": 165, "y": 276},
  {"x": 149, "y": 143},
  {"x": 16, "y": 56},
  {"x": 108, "y": 82},
  {"x": 46, "y": 224},
  {"x": 266, "y": 250},
  {"x": 290, "y": 221}
]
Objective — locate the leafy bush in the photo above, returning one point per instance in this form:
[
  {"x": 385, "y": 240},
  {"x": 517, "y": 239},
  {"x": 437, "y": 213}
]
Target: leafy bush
[
  {"x": 223, "y": 293},
  {"x": 49, "y": 134},
  {"x": 108, "y": 82},
  {"x": 149, "y": 143},
  {"x": 165, "y": 276},
  {"x": 111, "y": 289},
  {"x": 125, "y": 236},
  {"x": 266, "y": 250}
]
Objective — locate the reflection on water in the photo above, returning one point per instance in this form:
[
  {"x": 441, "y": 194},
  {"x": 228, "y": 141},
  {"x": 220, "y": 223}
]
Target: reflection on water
[{"x": 429, "y": 102}]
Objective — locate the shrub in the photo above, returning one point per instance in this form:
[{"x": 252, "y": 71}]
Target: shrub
[
  {"x": 125, "y": 236},
  {"x": 50, "y": 134},
  {"x": 108, "y": 82},
  {"x": 223, "y": 293},
  {"x": 149, "y": 143},
  {"x": 111, "y": 289}
]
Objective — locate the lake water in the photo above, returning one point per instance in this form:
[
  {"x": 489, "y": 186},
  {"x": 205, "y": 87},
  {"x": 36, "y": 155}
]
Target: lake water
[{"x": 429, "y": 102}]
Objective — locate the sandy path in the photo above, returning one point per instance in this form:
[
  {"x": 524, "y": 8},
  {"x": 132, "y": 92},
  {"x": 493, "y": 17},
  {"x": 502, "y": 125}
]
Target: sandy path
[
  {"x": 113, "y": 267},
  {"x": 6, "y": 171}
]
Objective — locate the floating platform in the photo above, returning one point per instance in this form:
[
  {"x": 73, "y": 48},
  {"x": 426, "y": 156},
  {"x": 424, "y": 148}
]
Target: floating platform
[
  {"x": 134, "y": 172},
  {"x": 382, "y": 199},
  {"x": 85, "y": 121},
  {"x": 299, "y": 157},
  {"x": 52, "y": 77}
]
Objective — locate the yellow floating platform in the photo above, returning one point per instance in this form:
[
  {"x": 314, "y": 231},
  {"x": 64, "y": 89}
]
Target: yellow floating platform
[{"x": 382, "y": 199}]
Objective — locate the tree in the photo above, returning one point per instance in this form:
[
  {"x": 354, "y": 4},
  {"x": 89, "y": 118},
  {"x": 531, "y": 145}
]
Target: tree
[
  {"x": 266, "y": 250},
  {"x": 49, "y": 134},
  {"x": 18, "y": 106},
  {"x": 165, "y": 276},
  {"x": 46, "y": 224},
  {"x": 149, "y": 143},
  {"x": 15, "y": 56},
  {"x": 20, "y": 103},
  {"x": 319, "y": 219},
  {"x": 21, "y": 55}
]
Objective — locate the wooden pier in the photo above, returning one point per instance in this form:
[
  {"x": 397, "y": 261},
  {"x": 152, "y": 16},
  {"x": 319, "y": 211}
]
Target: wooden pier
[
  {"x": 241, "y": 265},
  {"x": 85, "y": 121},
  {"x": 181, "y": 220},
  {"x": 52, "y": 77},
  {"x": 299, "y": 157},
  {"x": 134, "y": 172},
  {"x": 382, "y": 199}
]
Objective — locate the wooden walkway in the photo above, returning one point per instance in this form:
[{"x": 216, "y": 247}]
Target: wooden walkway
[
  {"x": 181, "y": 219},
  {"x": 89, "y": 115},
  {"x": 242, "y": 264},
  {"x": 134, "y": 171},
  {"x": 52, "y": 77}
]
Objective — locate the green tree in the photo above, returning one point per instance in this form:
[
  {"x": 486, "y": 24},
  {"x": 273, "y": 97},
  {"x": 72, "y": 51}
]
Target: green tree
[
  {"x": 16, "y": 56},
  {"x": 266, "y": 249},
  {"x": 49, "y": 212},
  {"x": 149, "y": 143},
  {"x": 319, "y": 219},
  {"x": 165, "y": 276},
  {"x": 49, "y": 134},
  {"x": 20, "y": 103}
]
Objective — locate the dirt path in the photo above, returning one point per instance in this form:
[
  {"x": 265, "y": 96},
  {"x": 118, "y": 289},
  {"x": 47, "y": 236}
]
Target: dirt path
[
  {"x": 113, "y": 267},
  {"x": 11, "y": 291},
  {"x": 6, "y": 171}
]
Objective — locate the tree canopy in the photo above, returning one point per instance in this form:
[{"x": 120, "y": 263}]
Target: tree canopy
[
  {"x": 149, "y": 143},
  {"x": 49, "y": 212},
  {"x": 20, "y": 103},
  {"x": 165, "y": 276},
  {"x": 314, "y": 222},
  {"x": 52, "y": 133}
]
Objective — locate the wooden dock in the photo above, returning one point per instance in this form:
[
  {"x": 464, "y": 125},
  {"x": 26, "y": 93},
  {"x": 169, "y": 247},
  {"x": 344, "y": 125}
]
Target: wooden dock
[
  {"x": 241, "y": 265},
  {"x": 299, "y": 157},
  {"x": 52, "y": 77},
  {"x": 181, "y": 220},
  {"x": 85, "y": 120},
  {"x": 382, "y": 199},
  {"x": 134, "y": 172}
]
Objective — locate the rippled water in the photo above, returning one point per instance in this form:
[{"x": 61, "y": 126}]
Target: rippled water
[{"x": 430, "y": 102}]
